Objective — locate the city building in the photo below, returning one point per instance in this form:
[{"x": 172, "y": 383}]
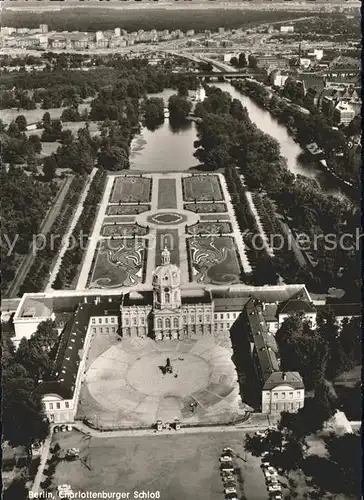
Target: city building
[
  {"x": 286, "y": 29},
  {"x": 278, "y": 78},
  {"x": 343, "y": 113},
  {"x": 269, "y": 61}
]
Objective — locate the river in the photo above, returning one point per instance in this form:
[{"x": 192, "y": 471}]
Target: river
[{"x": 167, "y": 149}]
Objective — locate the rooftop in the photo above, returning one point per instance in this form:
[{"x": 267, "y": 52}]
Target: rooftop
[
  {"x": 36, "y": 307},
  {"x": 264, "y": 342},
  {"x": 292, "y": 379}
]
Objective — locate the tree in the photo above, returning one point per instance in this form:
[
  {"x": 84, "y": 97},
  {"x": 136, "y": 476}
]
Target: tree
[
  {"x": 113, "y": 158},
  {"x": 252, "y": 61},
  {"x": 234, "y": 61},
  {"x": 21, "y": 121},
  {"x": 36, "y": 143},
  {"x": 179, "y": 108},
  {"x": 242, "y": 63},
  {"x": 183, "y": 88},
  {"x": 49, "y": 167},
  {"x": 46, "y": 119}
]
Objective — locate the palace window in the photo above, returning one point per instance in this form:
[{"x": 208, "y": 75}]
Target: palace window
[
  {"x": 168, "y": 323},
  {"x": 106, "y": 320},
  {"x": 159, "y": 323},
  {"x": 221, "y": 316},
  {"x": 112, "y": 320},
  {"x": 113, "y": 329},
  {"x": 142, "y": 320},
  {"x": 100, "y": 320},
  {"x": 94, "y": 330},
  {"x": 283, "y": 395},
  {"x": 93, "y": 321},
  {"x": 185, "y": 319},
  {"x": 107, "y": 330},
  {"x": 101, "y": 329},
  {"x": 134, "y": 321},
  {"x": 208, "y": 319},
  {"x": 275, "y": 394},
  {"x": 58, "y": 405},
  {"x": 228, "y": 315},
  {"x": 175, "y": 322},
  {"x": 51, "y": 406},
  {"x": 215, "y": 316},
  {"x": 126, "y": 321},
  {"x": 200, "y": 319},
  {"x": 67, "y": 405},
  {"x": 291, "y": 395}
]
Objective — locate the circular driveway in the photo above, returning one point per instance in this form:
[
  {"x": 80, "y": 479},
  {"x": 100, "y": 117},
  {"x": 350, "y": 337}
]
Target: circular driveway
[
  {"x": 126, "y": 382},
  {"x": 190, "y": 373}
]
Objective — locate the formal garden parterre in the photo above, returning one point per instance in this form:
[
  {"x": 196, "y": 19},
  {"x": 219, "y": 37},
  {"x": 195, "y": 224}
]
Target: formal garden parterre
[
  {"x": 119, "y": 262},
  {"x": 214, "y": 260},
  {"x": 202, "y": 188},
  {"x": 127, "y": 209},
  {"x": 210, "y": 228},
  {"x": 131, "y": 189},
  {"x": 124, "y": 230},
  {"x": 205, "y": 208}
]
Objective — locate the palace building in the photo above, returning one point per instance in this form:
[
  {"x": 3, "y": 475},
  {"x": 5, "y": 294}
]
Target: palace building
[{"x": 249, "y": 316}]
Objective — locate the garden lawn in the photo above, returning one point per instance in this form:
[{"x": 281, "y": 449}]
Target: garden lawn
[
  {"x": 167, "y": 197},
  {"x": 202, "y": 188},
  {"x": 131, "y": 189}
]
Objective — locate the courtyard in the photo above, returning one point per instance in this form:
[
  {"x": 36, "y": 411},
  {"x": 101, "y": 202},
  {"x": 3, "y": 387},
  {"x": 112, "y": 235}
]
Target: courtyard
[{"x": 126, "y": 386}]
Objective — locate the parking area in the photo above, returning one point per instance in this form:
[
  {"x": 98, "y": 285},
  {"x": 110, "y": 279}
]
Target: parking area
[{"x": 180, "y": 466}]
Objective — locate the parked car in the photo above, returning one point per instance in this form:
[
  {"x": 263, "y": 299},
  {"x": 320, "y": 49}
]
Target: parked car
[
  {"x": 268, "y": 473},
  {"x": 228, "y": 477},
  {"x": 276, "y": 496},
  {"x": 261, "y": 433},
  {"x": 274, "y": 488},
  {"x": 230, "y": 484},
  {"x": 227, "y": 468},
  {"x": 225, "y": 458},
  {"x": 265, "y": 454},
  {"x": 270, "y": 468},
  {"x": 56, "y": 428},
  {"x": 69, "y": 427},
  {"x": 228, "y": 450},
  {"x": 63, "y": 487},
  {"x": 265, "y": 463},
  {"x": 229, "y": 490},
  {"x": 63, "y": 428}
]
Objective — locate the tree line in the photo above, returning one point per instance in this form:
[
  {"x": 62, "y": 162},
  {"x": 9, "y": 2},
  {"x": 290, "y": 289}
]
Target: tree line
[
  {"x": 38, "y": 274},
  {"x": 73, "y": 256},
  {"x": 227, "y": 137}
]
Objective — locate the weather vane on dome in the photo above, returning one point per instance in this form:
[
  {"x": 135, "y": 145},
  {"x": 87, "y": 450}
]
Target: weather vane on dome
[{"x": 166, "y": 256}]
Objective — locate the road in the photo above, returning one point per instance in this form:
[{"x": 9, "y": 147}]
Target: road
[{"x": 43, "y": 230}]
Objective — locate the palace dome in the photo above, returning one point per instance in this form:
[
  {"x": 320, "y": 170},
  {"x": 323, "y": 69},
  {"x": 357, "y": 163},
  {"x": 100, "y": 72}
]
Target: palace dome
[{"x": 167, "y": 275}]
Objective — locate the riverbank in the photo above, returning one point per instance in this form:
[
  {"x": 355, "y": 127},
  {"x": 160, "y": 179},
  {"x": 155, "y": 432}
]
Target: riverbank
[{"x": 288, "y": 114}]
